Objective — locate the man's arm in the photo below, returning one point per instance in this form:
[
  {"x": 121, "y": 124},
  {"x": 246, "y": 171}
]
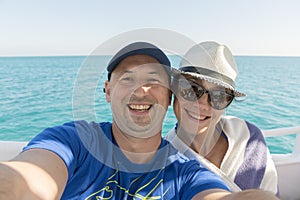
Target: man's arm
[
  {"x": 218, "y": 194},
  {"x": 34, "y": 174}
]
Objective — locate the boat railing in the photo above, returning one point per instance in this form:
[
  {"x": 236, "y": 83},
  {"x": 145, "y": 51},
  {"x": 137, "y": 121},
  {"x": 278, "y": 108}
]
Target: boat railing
[
  {"x": 287, "y": 165},
  {"x": 286, "y": 131}
]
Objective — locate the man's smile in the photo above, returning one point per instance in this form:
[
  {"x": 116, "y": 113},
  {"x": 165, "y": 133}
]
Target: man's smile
[{"x": 139, "y": 107}]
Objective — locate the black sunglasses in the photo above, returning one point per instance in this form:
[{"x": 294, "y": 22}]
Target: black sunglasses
[{"x": 191, "y": 91}]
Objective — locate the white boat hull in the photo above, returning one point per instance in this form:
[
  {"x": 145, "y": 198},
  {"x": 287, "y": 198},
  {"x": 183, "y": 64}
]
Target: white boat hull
[{"x": 287, "y": 165}]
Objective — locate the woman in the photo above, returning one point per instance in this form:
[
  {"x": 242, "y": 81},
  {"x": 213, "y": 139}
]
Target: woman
[{"x": 231, "y": 147}]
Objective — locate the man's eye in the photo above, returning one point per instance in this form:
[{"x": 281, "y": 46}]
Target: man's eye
[
  {"x": 153, "y": 80},
  {"x": 126, "y": 79}
]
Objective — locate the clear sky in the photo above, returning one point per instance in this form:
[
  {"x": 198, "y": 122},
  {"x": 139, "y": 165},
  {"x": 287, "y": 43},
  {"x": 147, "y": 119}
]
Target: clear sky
[{"x": 74, "y": 27}]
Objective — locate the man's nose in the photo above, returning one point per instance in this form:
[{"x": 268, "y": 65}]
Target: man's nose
[{"x": 142, "y": 90}]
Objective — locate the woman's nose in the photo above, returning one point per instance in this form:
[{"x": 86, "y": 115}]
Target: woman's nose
[{"x": 203, "y": 101}]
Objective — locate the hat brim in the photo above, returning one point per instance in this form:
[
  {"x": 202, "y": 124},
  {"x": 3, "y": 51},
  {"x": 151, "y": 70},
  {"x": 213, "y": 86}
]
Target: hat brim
[{"x": 209, "y": 79}]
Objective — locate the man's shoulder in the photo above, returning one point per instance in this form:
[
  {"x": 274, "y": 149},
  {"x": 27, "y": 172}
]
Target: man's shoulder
[
  {"x": 72, "y": 132},
  {"x": 81, "y": 127},
  {"x": 85, "y": 124}
]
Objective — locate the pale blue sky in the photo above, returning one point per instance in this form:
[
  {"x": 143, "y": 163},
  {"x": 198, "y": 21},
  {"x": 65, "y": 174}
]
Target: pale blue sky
[{"x": 74, "y": 27}]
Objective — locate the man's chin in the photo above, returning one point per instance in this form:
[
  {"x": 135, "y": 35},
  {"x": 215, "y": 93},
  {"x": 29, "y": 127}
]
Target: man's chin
[
  {"x": 137, "y": 129},
  {"x": 142, "y": 131},
  {"x": 142, "y": 122},
  {"x": 142, "y": 126}
]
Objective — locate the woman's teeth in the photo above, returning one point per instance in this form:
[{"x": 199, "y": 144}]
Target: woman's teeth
[{"x": 198, "y": 117}]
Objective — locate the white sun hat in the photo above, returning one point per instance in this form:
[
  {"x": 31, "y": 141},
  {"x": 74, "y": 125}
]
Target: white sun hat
[{"x": 212, "y": 62}]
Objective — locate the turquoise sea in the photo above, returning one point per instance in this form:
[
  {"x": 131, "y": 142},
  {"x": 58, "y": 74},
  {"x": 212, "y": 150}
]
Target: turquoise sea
[{"x": 36, "y": 92}]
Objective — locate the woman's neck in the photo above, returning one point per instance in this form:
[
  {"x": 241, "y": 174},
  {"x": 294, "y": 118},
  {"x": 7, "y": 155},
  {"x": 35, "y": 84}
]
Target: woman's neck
[
  {"x": 209, "y": 144},
  {"x": 194, "y": 141}
]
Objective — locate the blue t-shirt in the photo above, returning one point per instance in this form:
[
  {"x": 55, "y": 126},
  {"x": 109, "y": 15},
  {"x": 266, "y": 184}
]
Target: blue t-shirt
[{"x": 98, "y": 169}]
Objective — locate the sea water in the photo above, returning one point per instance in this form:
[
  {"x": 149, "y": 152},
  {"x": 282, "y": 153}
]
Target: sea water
[{"x": 38, "y": 92}]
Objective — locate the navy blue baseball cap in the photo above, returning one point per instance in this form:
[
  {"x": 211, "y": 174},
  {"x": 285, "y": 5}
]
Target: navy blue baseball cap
[{"x": 139, "y": 48}]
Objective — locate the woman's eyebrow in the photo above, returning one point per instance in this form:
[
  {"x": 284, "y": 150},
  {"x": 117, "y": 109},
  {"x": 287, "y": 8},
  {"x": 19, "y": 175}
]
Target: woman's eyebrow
[
  {"x": 199, "y": 82},
  {"x": 210, "y": 86}
]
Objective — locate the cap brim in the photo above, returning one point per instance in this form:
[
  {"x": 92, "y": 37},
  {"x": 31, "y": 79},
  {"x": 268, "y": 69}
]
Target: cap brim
[{"x": 139, "y": 48}]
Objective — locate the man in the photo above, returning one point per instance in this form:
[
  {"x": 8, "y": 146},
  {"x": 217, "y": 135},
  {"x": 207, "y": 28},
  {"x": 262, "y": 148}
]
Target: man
[{"x": 125, "y": 159}]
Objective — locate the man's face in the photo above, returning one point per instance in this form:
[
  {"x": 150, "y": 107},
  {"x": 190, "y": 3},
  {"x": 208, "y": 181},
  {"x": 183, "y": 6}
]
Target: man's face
[
  {"x": 139, "y": 96},
  {"x": 198, "y": 116}
]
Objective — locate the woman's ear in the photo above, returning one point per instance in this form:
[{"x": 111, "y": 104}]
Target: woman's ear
[
  {"x": 107, "y": 91},
  {"x": 170, "y": 97}
]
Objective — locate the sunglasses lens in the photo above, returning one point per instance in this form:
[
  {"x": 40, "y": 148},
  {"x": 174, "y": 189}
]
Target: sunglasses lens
[
  {"x": 190, "y": 91},
  {"x": 220, "y": 99}
]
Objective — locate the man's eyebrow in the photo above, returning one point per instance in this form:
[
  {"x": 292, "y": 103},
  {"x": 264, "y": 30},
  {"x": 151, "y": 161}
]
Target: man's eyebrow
[
  {"x": 154, "y": 72},
  {"x": 127, "y": 72}
]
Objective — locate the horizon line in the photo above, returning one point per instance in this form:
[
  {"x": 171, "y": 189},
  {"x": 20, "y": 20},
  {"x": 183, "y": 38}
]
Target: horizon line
[{"x": 81, "y": 55}]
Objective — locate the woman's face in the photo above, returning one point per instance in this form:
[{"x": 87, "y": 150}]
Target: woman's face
[{"x": 196, "y": 116}]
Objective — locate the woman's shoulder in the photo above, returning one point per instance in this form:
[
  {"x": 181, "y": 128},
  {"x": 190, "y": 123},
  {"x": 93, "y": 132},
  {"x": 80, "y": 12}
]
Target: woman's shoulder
[{"x": 236, "y": 125}]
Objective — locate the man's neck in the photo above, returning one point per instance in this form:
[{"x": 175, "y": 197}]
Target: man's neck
[{"x": 137, "y": 150}]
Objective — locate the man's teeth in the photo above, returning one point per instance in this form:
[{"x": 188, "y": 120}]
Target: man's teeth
[
  {"x": 199, "y": 117},
  {"x": 139, "y": 107}
]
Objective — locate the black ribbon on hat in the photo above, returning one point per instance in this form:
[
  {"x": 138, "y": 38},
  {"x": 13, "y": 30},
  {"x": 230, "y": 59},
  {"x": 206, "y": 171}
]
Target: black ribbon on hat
[{"x": 208, "y": 72}]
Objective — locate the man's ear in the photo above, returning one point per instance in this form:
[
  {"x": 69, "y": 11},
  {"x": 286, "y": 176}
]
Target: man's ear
[{"x": 107, "y": 91}]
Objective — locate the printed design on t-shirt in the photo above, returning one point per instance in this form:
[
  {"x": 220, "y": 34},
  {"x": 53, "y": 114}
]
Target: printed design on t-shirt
[{"x": 145, "y": 191}]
